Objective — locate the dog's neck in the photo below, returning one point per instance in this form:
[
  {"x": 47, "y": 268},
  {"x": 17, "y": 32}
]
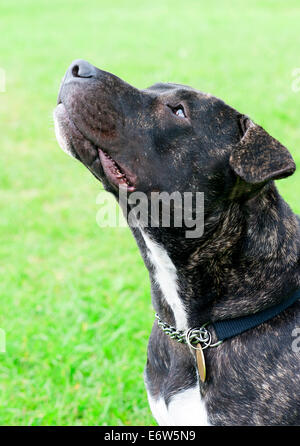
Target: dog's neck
[{"x": 247, "y": 260}]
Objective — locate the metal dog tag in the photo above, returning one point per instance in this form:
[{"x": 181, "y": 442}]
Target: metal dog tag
[{"x": 200, "y": 362}]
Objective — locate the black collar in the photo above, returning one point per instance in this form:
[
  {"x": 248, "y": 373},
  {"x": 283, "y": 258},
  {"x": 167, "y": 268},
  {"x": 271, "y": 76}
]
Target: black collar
[
  {"x": 227, "y": 328},
  {"x": 200, "y": 338}
]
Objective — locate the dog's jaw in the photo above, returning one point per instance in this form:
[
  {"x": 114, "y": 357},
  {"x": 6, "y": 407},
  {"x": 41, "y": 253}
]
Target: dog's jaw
[
  {"x": 60, "y": 133},
  {"x": 69, "y": 136}
]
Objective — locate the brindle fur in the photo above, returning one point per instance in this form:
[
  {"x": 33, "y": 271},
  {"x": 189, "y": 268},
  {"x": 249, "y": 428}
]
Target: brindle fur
[{"x": 248, "y": 257}]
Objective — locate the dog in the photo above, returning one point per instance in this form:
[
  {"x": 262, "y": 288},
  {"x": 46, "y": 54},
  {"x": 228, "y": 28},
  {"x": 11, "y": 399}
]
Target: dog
[{"x": 173, "y": 138}]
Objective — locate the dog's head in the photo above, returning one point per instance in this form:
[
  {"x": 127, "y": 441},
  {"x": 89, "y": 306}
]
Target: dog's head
[{"x": 167, "y": 138}]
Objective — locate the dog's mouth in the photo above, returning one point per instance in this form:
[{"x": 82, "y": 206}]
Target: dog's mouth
[
  {"x": 114, "y": 172},
  {"x": 95, "y": 158}
]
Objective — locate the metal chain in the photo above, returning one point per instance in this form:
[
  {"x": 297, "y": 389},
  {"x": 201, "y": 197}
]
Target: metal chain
[
  {"x": 191, "y": 337},
  {"x": 177, "y": 335}
]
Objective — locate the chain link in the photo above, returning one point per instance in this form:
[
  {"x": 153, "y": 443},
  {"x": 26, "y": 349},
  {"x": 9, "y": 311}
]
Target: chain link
[
  {"x": 177, "y": 335},
  {"x": 191, "y": 337}
]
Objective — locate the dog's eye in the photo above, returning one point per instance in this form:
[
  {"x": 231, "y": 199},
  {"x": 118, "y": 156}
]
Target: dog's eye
[{"x": 178, "y": 111}]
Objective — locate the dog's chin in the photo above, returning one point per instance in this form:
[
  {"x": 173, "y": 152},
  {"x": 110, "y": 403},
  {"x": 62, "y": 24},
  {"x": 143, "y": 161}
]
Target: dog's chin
[
  {"x": 96, "y": 159},
  {"x": 62, "y": 130}
]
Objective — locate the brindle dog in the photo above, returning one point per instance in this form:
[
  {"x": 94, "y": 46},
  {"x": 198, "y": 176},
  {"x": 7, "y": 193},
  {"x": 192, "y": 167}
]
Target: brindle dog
[{"x": 170, "y": 138}]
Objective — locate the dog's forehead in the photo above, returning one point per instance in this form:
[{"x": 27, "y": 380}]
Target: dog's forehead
[
  {"x": 179, "y": 92},
  {"x": 162, "y": 87}
]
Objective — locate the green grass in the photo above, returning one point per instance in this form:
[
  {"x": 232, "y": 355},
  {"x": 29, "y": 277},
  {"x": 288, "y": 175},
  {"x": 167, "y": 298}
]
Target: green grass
[{"x": 75, "y": 300}]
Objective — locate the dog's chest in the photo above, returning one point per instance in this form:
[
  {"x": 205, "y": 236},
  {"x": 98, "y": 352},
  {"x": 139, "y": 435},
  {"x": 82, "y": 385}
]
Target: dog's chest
[
  {"x": 241, "y": 370},
  {"x": 184, "y": 409}
]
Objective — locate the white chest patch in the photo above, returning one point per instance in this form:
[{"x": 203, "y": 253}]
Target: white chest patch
[
  {"x": 185, "y": 409},
  {"x": 166, "y": 278}
]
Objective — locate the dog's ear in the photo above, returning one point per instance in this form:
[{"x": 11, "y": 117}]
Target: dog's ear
[{"x": 258, "y": 157}]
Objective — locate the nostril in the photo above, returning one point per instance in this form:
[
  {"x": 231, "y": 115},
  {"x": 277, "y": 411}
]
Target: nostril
[
  {"x": 75, "y": 71},
  {"x": 82, "y": 69}
]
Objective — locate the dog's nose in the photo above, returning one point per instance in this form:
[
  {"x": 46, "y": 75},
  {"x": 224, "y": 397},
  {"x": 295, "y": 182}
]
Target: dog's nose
[
  {"x": 78, "y": 70},
  {"x": 82, "y": 68}
]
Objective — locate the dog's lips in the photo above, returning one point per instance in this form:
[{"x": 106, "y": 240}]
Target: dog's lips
[
  {"x": 67, "y": 131},
  {"x": 114, "y": 172}
]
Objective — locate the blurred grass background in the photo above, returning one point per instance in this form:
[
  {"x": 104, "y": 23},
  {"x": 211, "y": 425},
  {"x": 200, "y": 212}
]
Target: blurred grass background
[{"x": 75, "y": 301}]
